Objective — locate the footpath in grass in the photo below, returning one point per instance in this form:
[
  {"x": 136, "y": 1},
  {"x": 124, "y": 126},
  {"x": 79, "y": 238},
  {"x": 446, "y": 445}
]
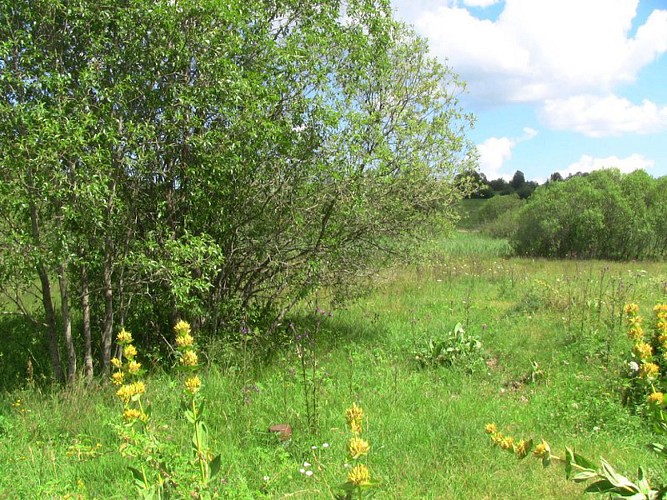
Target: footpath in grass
[{"x": 540, "y": 352}]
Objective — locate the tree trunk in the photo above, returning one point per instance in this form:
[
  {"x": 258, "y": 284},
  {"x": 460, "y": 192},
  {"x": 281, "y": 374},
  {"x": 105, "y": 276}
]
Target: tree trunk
[
  {"x": 85, "y": 310},
  {"x": 67, "y": 323},
  {"x": 107, "y": 331}
]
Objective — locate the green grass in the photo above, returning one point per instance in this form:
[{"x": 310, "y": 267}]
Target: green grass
[{"x": 425, "y": 426}]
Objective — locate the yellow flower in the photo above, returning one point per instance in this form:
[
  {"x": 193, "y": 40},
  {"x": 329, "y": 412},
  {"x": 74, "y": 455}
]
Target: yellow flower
[
  {"x": 354, "y": 417},
  {"x": 662, "y": 339},
  {"x": 117, "y": 378},
  {"x": 507, "y": 443},
  {"x": 521, "y": 448},
  {"x": 133, "y": 367},
  {"x": 490, "y": 428},
  {"x": 656, "y": 398},
  {"x": 631, "y": 309},
  {"x": 116, "y": 362},
  {"x": 636, "y": 333},
  {"x": 193, "y": 384},
  {"x": 127, "y": 392},
  {"x": 124, "y": 337},
  {"x": 643, "y": 350},
  {"x": 358, "y": 447},
  {"x": 182, "y": 328},
  {"x": 359, "y": 475},
  {"x": 129, "y": 351},
  {"x": 497, "y": 438},
  {"x": 189, "y": 358},
  {"x": 542, "y": 449},
  {"x": 661, "y": 326},
  {"x": 635, "y": 320},
  {"x": 131, "y": 414},
  {"x": 184, "y": 340},
  {"x": 649, "y": 370}
]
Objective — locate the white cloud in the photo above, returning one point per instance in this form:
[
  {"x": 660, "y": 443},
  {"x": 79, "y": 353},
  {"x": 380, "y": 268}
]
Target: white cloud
[
  {"x": 596, "y": 116},
  {"x": 495, "y": 151},
  {"x": 480, "y": 3},
  {"x": 588, "y": 163},
  {"x": 543, "y": 49}
]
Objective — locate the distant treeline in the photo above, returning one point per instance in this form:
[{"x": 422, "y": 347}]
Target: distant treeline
[{"x": 601, "y": 215}]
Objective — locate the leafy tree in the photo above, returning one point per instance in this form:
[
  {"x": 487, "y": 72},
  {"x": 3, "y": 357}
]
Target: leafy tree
[
  {"x": 518, "y": 180},
  {"x": 215, "y": 162}
]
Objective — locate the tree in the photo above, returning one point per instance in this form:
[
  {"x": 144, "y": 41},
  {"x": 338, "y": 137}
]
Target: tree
[
  {"x": 518, "y": 180},
  {"x": 215, "y": 162}
]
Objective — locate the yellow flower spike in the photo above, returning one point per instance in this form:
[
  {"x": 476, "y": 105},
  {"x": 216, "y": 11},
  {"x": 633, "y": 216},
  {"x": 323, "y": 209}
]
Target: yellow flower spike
[
  {"x": 129, "y": 351},
  {"x": 117, "y": 378},
  {"x": 497, "y": 438},
  {"x": 128, "y": 391},
  {"x": 507, "y": 443},
  {"x": 631, "y": 309},
  {"x": 131, "y": 414},
  {"x": 522, "y": 448},
  {"x": 354, "y": 417},
  {"x": 133, "y": 367},
  {"x": 189, "y": 358},
  {"x": 490, "y": 428},
  {"x": 124, "y": 337},
  {"x": 193, "y": 384},
  {"x": 656, "y": 398},
  {"x": 635, "y": 320},
  {"x": 358, "y": 447},
  {"x": 184, "y": 340},
  {"x": 636, "y": 333},
  {"x": 643, "y": 350},
  {"x": 359, "y": 475},
  {"x": 542, "y": 449},
  {"x": 117, "y": 363},
  {"x": 649, "y": 370},
  {"x": 182, "y": 328}
]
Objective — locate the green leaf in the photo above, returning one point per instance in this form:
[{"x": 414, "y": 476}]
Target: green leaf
[
  {"x": 584, "y": 475},
  {"x": 584, "y": 462},
  {"x": 214, "y": 467},
  {"x": 602, "y": 486},
  {"x": 616, "y": 479}
]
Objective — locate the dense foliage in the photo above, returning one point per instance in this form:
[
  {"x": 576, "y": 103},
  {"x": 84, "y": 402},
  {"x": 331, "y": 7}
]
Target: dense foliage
[
  {"x": 210, "y": 160},
  {"x": 603, "y": 215}
]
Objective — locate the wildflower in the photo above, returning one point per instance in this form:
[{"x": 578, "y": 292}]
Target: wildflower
[
  {"x": 661, "y": 326},
  {"x": 117, "y": 378},
  {"x": 182, "y": 328},
  {"x": 193, "y": 384},
  {"x": 636, "y": 333},
  {"x": 131, "y": 414},
  {"x": 358, "y": 447},
  {"x": 116, "y": 362},
  {"x": 184, "y": 340},
  {"x": 521, "y": 448},
  {"x": 490, "y": 428},
  {"x": 643, "y": 350},
  {"x": 359, "y": 475},
  {"x": 660, "y": 311},
  {"x": 354, "y": 417},
  {"x": 634, "y": 367},
  {"x": 662, "y": 340},
  {"x": 631, "y": 309},
  {"x": 309, "y": 473},
  {"x": 127, "y": 392},
  {"x": 635, "y": 320},
  {"x": 497, "y": 438},
  {"x": 133, "y": 367},
  {"x": 129, "y": 351},
  {"x": 124, "y": 337},
  {"x": 656, "y": 398},
  {"x": 507, "y": 443},
  {"x": 325, "y": 445},
  {"x": 541, "y": 450},
  {"x": 189, "y": 358},
  {"x": 649, "y": 370}
]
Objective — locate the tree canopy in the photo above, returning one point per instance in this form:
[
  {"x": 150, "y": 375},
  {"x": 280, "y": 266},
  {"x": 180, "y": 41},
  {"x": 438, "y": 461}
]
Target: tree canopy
[{"x": 211, "y": 160}]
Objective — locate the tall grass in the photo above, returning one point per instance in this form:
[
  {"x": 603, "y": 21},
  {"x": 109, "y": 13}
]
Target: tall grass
[{"x": 425, "y": 426}]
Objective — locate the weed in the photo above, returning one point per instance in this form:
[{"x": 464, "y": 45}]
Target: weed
[{"x": 456, "y": 348}]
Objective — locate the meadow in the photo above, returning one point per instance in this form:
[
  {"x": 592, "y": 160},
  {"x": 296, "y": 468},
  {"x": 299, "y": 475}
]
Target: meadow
[{"x": 541, "y": 351}]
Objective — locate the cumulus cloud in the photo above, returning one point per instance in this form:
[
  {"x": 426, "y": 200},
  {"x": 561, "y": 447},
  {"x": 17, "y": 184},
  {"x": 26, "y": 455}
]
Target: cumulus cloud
[
  {"x": 480, "y": 3},
  {"x": 599, "y": 116},
  {"x": 543, "y": 49},
  {"x": 588, "y": 163},
  {"x": 495, "y": 151}
]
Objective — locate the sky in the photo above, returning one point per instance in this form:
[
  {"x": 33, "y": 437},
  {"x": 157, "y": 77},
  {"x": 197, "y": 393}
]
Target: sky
[{"x": 556, "y": 85}]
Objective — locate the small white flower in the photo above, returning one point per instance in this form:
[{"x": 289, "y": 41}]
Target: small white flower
[
  {"x": 266, "y": 478},
  {"x": 309, "y": 473},
  {"x": 302, "y": 470},
  {"x": 325, "y": 445},
  {"x": 306, "y": 464},
  {"x": 633, "y": 366},
  {"x": 313, "y": 447}
]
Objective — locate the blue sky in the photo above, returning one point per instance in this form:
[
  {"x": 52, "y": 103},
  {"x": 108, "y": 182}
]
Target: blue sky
[{"x": 556, "y": 85}]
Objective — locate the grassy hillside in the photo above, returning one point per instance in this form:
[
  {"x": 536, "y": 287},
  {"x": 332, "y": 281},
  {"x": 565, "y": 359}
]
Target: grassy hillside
[{"x": 552, "y": 348}]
